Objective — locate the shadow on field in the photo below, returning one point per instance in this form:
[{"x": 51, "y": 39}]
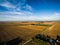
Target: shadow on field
[{"x": 15, "y": 41}]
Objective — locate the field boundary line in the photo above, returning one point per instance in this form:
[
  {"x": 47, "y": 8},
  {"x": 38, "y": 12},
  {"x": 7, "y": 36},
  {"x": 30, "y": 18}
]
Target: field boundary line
[{"x": 27, "y": 42}]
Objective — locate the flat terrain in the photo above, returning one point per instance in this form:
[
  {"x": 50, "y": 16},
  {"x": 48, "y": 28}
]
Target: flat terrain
[{"x": 27, "y": 30}]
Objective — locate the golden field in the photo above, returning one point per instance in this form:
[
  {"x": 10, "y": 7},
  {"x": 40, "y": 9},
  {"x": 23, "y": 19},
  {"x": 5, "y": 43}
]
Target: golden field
[
  {"x": 54, "y": 30},
  {"x": 27, "y": 30}
]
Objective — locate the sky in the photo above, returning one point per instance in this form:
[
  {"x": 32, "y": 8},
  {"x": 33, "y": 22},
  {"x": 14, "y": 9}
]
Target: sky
[{"x": 29, "y": 10}]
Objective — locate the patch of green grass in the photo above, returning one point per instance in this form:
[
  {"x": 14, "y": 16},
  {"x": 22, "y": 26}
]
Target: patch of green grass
[
  {"x": 41, "y": 24},
  {"x": 40, "y": 42}
]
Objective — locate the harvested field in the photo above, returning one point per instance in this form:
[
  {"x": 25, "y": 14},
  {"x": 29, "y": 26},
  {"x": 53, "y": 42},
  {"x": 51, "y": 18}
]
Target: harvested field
[{"x": 11, "y": 30}]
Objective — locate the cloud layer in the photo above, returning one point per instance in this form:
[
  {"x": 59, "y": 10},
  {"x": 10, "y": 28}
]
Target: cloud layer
[{"x": 21, "y": 11}]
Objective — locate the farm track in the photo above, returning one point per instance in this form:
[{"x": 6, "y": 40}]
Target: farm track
[{"x": 28, "y": 41}]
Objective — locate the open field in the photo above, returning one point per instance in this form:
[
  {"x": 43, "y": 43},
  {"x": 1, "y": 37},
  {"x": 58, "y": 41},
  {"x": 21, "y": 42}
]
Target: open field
[
  {"x": 54, "y": 30},
  {"x": 27, "y": 30}
]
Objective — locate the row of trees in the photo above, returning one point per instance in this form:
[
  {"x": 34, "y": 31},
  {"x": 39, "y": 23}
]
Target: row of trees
[{"x": 49, "y": 39}]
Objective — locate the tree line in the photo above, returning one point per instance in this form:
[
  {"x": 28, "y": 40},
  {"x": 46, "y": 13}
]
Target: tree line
[{"x": 48, "y": 39}]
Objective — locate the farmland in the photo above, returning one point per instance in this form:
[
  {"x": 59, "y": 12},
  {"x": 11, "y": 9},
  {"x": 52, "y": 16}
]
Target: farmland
[{"x": 27, "y": 30}]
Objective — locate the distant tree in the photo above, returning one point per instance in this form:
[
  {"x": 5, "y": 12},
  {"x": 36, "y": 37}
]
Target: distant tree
[{"x": 32, "y": 24}]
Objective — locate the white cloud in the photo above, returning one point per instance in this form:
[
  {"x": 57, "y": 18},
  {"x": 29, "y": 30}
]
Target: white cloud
[
  {"x": 52, "y": 17},
  {"x": 7, "y": 5},
  {"x": 17, "y": 7},
  {"x": 15, "y": 13},
  {"x": 17, "y": 16},
  {"x": 11, "y": 13},
  {"x": 28, "y": 7}
]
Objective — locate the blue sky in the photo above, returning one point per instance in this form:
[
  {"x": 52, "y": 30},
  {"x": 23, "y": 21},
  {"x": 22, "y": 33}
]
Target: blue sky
[{"x": 29, "y": 10}]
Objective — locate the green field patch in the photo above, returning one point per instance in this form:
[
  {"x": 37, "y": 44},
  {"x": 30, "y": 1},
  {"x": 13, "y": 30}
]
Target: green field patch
[
  {"x": 41, "y": 24},
  {"x": 40, "y": 42}
]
